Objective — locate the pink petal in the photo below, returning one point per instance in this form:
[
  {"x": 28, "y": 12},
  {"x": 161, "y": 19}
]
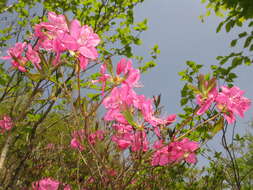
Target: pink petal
[
  {"x": 191, "y": 158},
  {"x": 75, "y": 28},
  {"x": 83, "y": 61},
  {"x": 89, "y": 52}
]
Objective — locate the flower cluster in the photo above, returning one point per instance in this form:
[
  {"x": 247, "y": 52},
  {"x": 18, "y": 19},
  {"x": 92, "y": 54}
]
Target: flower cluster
[
  {"x": 18, "y": 60},
  {"x": 126, "y": 137},
  {"x": 6, "y": 124},
  {"x": 56, "y": 36},
  {"x": 125, "y": 74},
  {"x": 123, "y": 103},
  {"x": 174, "y": 152},
  {"x": 230, "y": 101},
  {"x": 78, "y": 136},
  {"x": 49, "y": 184}
]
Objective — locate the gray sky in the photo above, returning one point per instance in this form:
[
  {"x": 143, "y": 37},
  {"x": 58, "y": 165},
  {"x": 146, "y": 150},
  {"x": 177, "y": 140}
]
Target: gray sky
[{"x": 174, "y": 25}]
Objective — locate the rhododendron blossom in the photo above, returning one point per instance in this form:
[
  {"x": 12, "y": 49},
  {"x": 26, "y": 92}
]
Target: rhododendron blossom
[
  {"x": 139, "y": 141},
  {"x": 56, "y": 36},
  {"x": 121, "y": 105},
  {"x": 77, "y": 136},
  {"x": 103, "y": 78},
  {"x": 161, "y": 156},
  {"x": 175, "y": 152},
  {"x": 126, "y": 137},
  {"x": 131, "y": 75},
  {"x": 81, "y": 40},
  {"x": 205, "y": 102},
  {"x": 48, "y": 32},
  {"x": 33, "y": 56},
  {"x": 111, "y": 172},
  {"x": 15, "y": 53},
  {"x": 146, "y": 107},
  {"x": 67, "y": 187},
  {"x": 6, "y": 124},
  {"x": 231, "y": 101},
  {"x": 94, "y": 137},
  {"x": 18, "y": 60},
  {"x": 171, "y": 119},
  {"x": 46, "y": 184},
  {"x": 120, "y": 98}
]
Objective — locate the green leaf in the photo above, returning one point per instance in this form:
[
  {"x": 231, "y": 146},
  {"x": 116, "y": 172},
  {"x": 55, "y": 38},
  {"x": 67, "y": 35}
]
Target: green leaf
[
  {"x": 35, "y": 77},
  {"x": 194, "y": 89},
  {"x": 129, "y": 117},
  {"x": 2, "y": 81},
  {"x": 250, "y": 24},
  {"x": 183, "y": 101},
  {"x": 94, "y": 96},
  {"x": 219, "y": 27},
  {"x": 233, "y": 43},
  {"x": 251, "y": 47},
  {"x": 229, "y": 25},
  {"x": 217, "y": 127},
  {"x": 243, "y": 34},
  {"x": 247, "y": 42}
]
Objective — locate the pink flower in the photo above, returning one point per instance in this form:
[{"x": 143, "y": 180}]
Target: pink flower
[
  {"x": 171, "y": 119},
  {"x": 131, "y": 75},
  {"x": 122, "y": 129},
  {"x": 75, "y": 144},
  {"x": 67, "y": 187},
  {"x": 122, "y": 143},
  {"x": 33, "y": 56},
  {"x": 205, "y": 102},
  {"x": 90, "y": 180},
  {"x": 126, "y": 137},
  {"x": 183, "y": 150},
  {"x": 77, "y": 137},
  {"x": 160, "y": 157},
  {"x": 46, "y": 184},
  {"x": 15, "y": 53},
  {"x": 123, "y": 66},
  {"x": 57, "y": 21},
  {"x": 133, "y": 78},
  {"x": 175, "y": 152},
  {"x": 231, "y": 101},
  {"x": 123, "y": 137},
  {"x": 49, "y": 34},
  {"x": 139, "y": 141},
  {"x": 111, "y": 172},
  {"x": 92, "y": 138},
  {"x": 83, "y": 40},
  {"x": 119, "y": 100},
  {"x": 98, "y": 135},
  {"x": 49, "y": 30},
  {"x": 103, "y": 77},
  {"x": 146, "y": 107},
  {"x": 6, "y": 124}
]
